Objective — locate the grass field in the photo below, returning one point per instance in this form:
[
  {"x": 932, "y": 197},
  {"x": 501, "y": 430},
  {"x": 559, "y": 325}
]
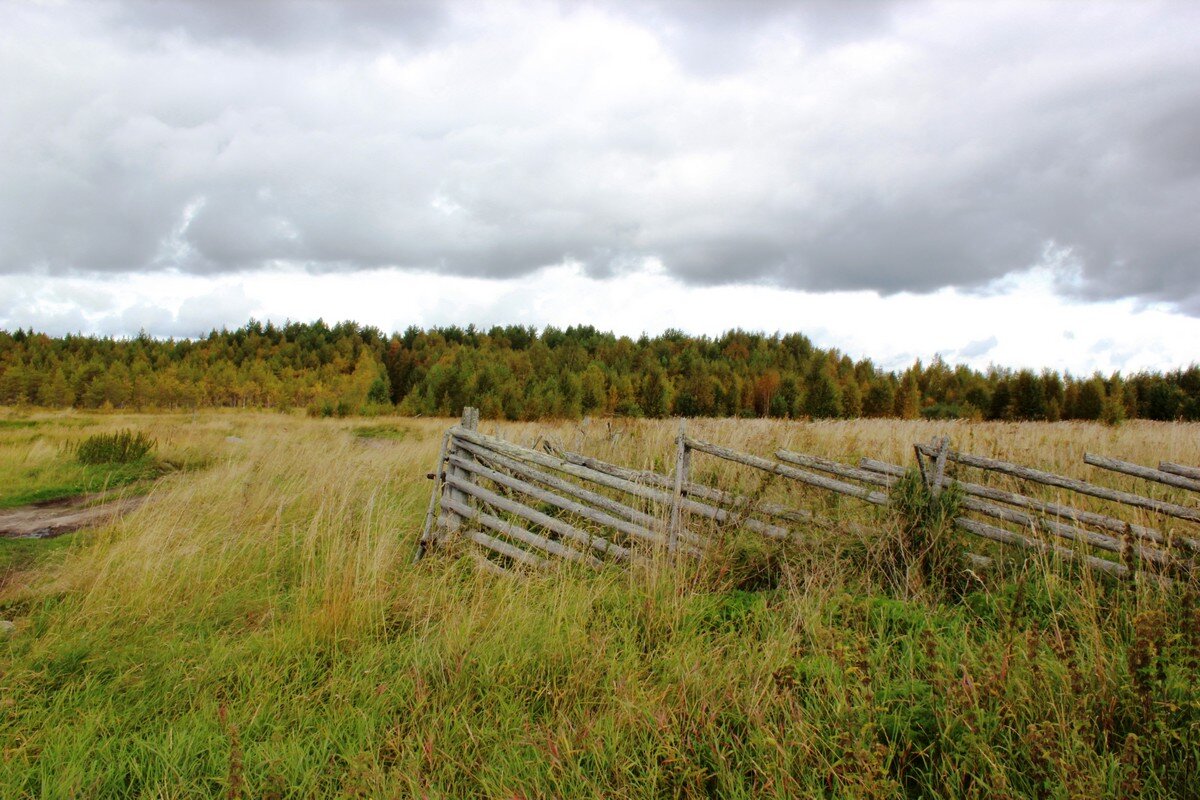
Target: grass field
[{"x": 257, "y": 629}]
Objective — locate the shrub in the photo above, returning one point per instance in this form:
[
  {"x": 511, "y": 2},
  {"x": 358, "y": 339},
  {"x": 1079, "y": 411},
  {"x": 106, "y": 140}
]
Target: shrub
[
  {"x": 925, "y": 551},
  {"x": 122, "y": 447}
]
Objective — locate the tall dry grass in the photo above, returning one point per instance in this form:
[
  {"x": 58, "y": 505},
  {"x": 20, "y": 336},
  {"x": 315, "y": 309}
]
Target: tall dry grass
[{"x": 258, "y": 629}]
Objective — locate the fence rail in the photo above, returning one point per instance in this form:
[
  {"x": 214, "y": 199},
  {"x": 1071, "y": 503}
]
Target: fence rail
[{"x": 524, "y": 508}]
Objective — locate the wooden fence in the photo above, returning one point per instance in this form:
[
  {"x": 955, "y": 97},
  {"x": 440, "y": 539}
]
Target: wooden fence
[{"x": 524, "y": 508}]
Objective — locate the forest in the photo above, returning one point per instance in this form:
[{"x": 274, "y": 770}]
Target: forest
[{"x": 520, "y": 373}]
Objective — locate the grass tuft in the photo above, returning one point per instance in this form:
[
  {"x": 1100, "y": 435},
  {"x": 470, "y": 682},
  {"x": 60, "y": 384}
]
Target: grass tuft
[{"x": 121, "y": 447}]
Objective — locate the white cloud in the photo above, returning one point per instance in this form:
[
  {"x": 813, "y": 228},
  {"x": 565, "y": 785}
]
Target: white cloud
[{"x": 1022, "y": 323}]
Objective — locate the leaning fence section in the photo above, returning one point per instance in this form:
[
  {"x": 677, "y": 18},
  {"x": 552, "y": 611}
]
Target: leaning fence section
[{"x": 522, "y": 508}]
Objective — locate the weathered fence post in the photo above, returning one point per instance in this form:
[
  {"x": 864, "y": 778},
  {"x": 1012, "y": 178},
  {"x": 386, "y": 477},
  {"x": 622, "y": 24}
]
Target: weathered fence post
[
  {"x": 427, "y": 529},
  {"x": 449, "y": 521},
  {"x": 682, "y": 463},
  {"x": 939, "y": 466}
]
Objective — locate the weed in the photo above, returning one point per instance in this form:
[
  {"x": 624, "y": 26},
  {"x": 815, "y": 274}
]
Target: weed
[
  {"x": 121, "y": 447},
  {"x": 925, "y": 551}
]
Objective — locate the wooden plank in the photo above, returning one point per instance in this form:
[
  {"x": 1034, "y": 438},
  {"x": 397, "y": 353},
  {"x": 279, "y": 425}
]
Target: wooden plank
[
  {"x": 530, "y": 473},
  {"x": 1069, "y": 532},
  {"x": 812, "y": 479},
  {"x": 507, "y": 550},
  {"x": 1180, "y": 469},
  {"x": 491, "y": 567},
  {"x": 597, "y": 543},
  {"x": 692, "y": 489},
  {"x": 834, "y": 468},
  {"x": 997, "y": 534},
  {"x": 1137, "y": 470},
  {"x": 1050, "y": 479},
  {"x": 520, "y": 534},
  {"x": 453, "y": 521},
  {"x": 629, "y": 487},
  {"x": 570, "y": 506},
  {"x": 1078, "y": 516}
]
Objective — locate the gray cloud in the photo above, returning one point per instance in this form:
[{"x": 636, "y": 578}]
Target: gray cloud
[
  {"x": 890, "y": 147},
  {"x": 978, "y": 348}
]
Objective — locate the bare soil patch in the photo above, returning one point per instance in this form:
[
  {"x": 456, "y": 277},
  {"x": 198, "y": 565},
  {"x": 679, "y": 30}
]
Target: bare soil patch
[{"x": 55, "y": 517}]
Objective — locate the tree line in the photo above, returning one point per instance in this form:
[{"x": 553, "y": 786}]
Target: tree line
[{"x": 519, "y": 372}]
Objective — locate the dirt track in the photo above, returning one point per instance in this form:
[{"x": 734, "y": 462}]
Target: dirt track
[{"x": 56, "y": 517}]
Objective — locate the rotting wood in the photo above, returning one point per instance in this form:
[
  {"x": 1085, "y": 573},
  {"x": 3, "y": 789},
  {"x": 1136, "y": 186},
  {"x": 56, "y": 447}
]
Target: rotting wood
[
  {"x": 629, "y": 487},
  {"x": 834, "y": 468},
  {"x": 570, "y": 506},
  {"x": 530, "y": 473},
  {"x": 1076, "y": 515},
  {"x": 507, "y": 550},
  {"x": 997, "y": 534},
  {"x": 452, "y": 522},
  {"x": 692, "y": 489},
  {"x": 1083, "y": 487},
  {"x": 1180, "y": 469},
  {"x": 491, "y": 567},
  {"x": 1137, "y": 470},
  {"x": 597, "y": 543},
  {"x": 1109, "y": 543},
  {"x": 521, "y": 534},
  {"x": 1063, "y": 531},
  {"x": 939, "y": 467},
  {"x": 682, "y": 461},
  {"x": 841, "y": 487}
]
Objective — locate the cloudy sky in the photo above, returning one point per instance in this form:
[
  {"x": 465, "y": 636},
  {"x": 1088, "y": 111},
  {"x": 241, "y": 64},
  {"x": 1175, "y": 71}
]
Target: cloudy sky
[{"x": 997, "y": 182}]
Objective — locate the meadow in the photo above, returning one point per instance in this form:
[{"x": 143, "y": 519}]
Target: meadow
[{"x": 257, "y": 629}]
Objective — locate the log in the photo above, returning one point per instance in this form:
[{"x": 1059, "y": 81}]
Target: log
[
  {"x": 570, "y": 506},
  {"x": 565, "y": 487},
  {"x": 1137, "y": 470},
  {"x": 507, "y": 550},
  {"x": 597, "y": 543},
  {"x": 1050, "y": 479},
  {"x": 820, "y": 481},
  {"x": 1076, "y": 515},
  {"x": 1180, "y": 469},
  {"x": 517, "y": 533},
  {"x": 996, "y": 534},
  {"x": 1068, "y": 532},
  {"x": 491, "y": 567},
  {"x": 692, "y": 489},
  {"x": 834, "y": 468},
  {"x": 629, "y": 487}
]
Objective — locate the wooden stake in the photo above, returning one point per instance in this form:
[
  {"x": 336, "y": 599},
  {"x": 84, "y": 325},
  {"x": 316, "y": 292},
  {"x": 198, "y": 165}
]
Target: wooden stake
[
  {"x": 426, "y": 530},
  {"x": 939, "y": 467},
  {"x": 681, "y": 479}
]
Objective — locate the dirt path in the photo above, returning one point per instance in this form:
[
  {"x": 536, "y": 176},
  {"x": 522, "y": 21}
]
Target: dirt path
[{"x": 56, "y": 517}]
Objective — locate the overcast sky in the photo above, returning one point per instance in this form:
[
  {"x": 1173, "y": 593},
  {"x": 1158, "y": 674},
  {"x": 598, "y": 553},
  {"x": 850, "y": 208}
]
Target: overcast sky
[{"x": 1008, "y": 183}]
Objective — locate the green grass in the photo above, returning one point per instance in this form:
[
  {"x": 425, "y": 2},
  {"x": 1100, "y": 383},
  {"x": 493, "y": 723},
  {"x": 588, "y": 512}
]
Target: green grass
[
  {"x": 258, "y": 630},
  {"x": 69, "y": 479},
  {"x": 23, "y": 554},
  {"x": 394, "y": 432}
]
